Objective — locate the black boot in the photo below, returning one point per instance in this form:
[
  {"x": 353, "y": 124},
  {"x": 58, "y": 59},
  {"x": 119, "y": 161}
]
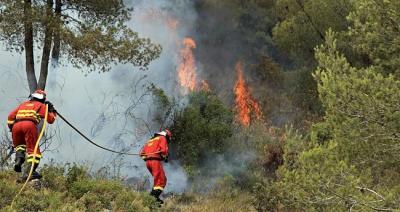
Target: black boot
[
  {"x": 156, "y": 194},
  {"x": 19, "y": 160},
  {"x": 35, "y": 175}
]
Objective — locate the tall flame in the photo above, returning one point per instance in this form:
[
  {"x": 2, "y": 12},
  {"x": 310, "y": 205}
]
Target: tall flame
[
  {"x": 246, "y": 106},
  {"x": 187, "y": 66}
]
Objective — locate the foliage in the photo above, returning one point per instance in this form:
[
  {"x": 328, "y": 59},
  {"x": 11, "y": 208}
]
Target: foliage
[
  {"x": 88, "y": 194},
  {"x": 304, "y": 22},
  {"x": 54, "y": 177},
  {"x": 92, "y": 33},
  {"x": 76, "y": 173},
  {"x": 361, "y": 109},
  {"x": 375, "y": 33},
  {"x": 88, "y": 34},
  {"x": 302, "y": 91},
  {"x": 162, "y": 103},
  {"x": 223, "y": 197},
  {"x": 314, "y": 178},
  {"x": 201, "y": 129},
  {"x": 351, "y": 161},
  {"x": 74, "y": 191}
]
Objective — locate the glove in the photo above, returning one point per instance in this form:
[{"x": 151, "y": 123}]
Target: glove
[
  {"x": 51, "y": 107},
  {"x": 10, "y": 126},
  {"x": 166, "y": 159}
]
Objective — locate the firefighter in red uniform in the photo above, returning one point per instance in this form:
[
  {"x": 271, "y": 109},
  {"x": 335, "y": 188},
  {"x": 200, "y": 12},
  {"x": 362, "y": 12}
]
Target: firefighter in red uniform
[
  {"x": 23, "y": 122},
  {"x": 154, "y": 152}
]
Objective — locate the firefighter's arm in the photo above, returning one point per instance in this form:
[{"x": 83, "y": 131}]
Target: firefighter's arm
[
  {"x": 11, "y": 118},
  {"x": 51, "y": 116},
  {"x": 164, "y": 148},
  {"x": 52, "y": 112}
]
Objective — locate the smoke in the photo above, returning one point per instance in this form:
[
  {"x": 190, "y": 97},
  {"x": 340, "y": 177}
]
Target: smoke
[
  {"x": 114, "y": 108},
  {"x": 216, "y": 167}
]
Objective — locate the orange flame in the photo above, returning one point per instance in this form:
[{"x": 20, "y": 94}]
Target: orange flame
[
  {"x": 246, "y": 105},
  {"x": 187, "y": 66}
]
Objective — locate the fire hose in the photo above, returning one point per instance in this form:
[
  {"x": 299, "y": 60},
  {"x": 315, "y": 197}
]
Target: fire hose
[{"x": 92, "y": 142}]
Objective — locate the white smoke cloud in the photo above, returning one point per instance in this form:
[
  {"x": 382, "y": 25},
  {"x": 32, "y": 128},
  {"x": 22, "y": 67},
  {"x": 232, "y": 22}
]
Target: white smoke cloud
[{"x": 96, "y": 103}]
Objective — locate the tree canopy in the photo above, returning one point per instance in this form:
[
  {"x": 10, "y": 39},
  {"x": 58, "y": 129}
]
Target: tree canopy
[{"x": 91, "y": 35}]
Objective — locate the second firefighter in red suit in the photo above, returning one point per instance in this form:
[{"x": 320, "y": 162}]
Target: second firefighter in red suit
[
  {"x": 154, "y": 152},
  {"x": 23, "y": 122}
]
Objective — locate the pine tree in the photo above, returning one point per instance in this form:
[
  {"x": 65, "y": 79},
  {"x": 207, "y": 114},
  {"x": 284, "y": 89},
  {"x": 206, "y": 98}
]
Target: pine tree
[{"x": 89, "y": 34}]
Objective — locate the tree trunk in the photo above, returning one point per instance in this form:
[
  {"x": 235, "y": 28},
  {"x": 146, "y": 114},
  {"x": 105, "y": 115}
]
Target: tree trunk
[
  {"x": 57, "y": 41},
  {"x": 28, "y": 42},
  {"x": 48, "y": 37}
]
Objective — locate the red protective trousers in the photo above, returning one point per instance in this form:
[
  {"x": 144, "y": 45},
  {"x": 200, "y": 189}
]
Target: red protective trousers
[
  {"x": 157, "y": 171},
  {"x": 25, "y": 133}
]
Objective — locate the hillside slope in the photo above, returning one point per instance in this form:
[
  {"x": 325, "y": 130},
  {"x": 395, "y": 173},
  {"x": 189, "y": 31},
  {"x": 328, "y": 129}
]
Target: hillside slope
[{"x": 73, "y": 189}]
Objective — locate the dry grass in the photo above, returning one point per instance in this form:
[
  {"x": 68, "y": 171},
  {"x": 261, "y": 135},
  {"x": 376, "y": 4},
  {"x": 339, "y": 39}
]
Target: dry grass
[{"x": 209, "y": 202}]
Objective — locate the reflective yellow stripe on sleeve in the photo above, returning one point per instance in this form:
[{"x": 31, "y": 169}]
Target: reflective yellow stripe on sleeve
[{"x": 10, "y": 121}]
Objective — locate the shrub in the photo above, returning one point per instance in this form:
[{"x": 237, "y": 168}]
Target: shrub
[
  {"x": 76, "y": 173},
  {"x": 132, "y": 201},
  {"x": 201, "y": 129},
  {"x": 96, "y": 192},
  {"x": 76, "y": 191},
  {"x": 53, "y": 177},
  {"x": 33, "y": 200}
]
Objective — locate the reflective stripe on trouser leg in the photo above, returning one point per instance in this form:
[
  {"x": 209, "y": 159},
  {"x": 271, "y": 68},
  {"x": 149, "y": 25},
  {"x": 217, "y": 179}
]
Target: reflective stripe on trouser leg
[
  {"x": 158, "y": 188},
  {"x": 34, "y": 158},
  {"x": 20, "y": 148}
]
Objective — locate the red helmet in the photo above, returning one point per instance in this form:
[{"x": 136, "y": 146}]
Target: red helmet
[{"x": 39, "y": 94}]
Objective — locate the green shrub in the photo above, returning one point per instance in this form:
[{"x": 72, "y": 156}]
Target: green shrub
[
  {"x": 96, "y": 191},
  {"x": 92, "y": 202},
  {"x": 76, "y": 173},
  {"x": 203, "y": 128},
  {"x": 321, "y": 133},
  {"x": 76, "y": 191},
  {"x": 133, "y": 201},
  {"x": 33, "y": 200},
  {"x": 53, "y": 177},
  {"x": 7, "y": 192}
]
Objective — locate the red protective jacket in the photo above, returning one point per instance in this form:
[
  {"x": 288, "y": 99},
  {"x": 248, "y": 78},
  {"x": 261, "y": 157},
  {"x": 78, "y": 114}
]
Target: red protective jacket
[
  {"x": 23, "y": 121},
  {"x": 30, "y": 111},
  {"x": 155, "y": 148}
]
